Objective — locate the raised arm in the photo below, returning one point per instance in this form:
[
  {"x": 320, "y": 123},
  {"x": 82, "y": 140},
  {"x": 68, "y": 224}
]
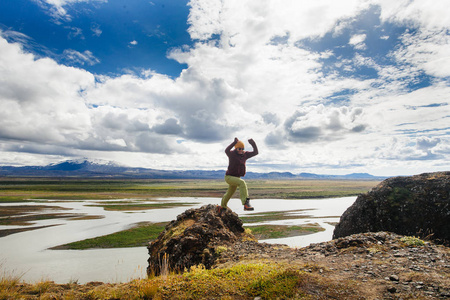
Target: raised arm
[
  {"x": 255, "y": 148},
  {"x": 228, "y": 149}
]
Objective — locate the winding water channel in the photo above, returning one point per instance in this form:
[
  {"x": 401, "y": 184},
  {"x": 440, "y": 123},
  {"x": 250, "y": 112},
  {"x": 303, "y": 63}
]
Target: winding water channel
[{"x": 27, "y": 253}]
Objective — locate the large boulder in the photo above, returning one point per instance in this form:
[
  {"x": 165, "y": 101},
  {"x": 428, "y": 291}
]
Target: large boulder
[
  {"x": 196, "y": 237},
  {"x": 417, "y": 205}
]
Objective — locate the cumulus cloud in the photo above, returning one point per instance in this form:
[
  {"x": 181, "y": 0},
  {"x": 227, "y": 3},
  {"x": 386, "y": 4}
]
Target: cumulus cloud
[
  {"x": 271, "y": 118},
  {"x": 41, "y": 97},
  {"x": 50, "y": 107},
  {"x": 275, "y": 139},
  {"x": 170, "y": 126},
  {"x": 258, "y": 22},
  {"x": 426, "y": 144},
  {"x": 411, "y": 149},
  {"x": 148, "y": 142},
  {"x": 196, "y": 102},
  {"x": 321, "y": 123},
  {"x": 35, "y": 148},
  {"x": 291, "y": 75}
]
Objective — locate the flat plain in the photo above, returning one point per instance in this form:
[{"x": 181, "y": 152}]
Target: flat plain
[
  {"x": 25, "y": 189},
  {"x": 131, "y": 194}
]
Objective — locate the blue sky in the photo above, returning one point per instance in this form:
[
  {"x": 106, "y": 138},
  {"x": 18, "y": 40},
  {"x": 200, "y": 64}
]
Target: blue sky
[
  {"x": 325, "y": 86},
  {"x": 120, "y": 35}
]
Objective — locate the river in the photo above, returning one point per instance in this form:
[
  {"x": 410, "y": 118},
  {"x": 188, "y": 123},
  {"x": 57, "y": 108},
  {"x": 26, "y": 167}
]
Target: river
[{"x": 26, "y": 254}]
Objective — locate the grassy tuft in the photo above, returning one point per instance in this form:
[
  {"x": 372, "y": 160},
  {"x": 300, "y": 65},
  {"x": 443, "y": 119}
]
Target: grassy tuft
[
  {"x": 412, "y": 241},
  {"x": 278, "y": 285},
  {"x": 220, "y": 249},
  {"x": 9, "y": 285},
  {"x": 267, "y": 280}
]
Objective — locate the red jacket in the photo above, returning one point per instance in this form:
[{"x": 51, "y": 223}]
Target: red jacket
[{"x": 236, "y": 162}]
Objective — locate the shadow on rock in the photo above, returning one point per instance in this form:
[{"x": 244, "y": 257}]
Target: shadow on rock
[{"x": 416, "y": 205}]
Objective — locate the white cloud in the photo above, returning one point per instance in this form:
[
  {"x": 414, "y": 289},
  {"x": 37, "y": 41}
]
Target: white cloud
[
  {"x": 48, "y": 104},
  {"x": 56, "y": 8},
  {"x": 75, "y": 32},
  {"x": 96, "y": 31},
  {"x": 248, "y": 76},
  {"x": 357, "y": 41},
  {"x": 427, "y": 50},
  {"x": 255, "y": 22},
  {"x": 429, "y": 15},
  {"x": 319, "y": 123},
  {"x": 78, "y": 58},
  {"x": 42, "y": 97}
]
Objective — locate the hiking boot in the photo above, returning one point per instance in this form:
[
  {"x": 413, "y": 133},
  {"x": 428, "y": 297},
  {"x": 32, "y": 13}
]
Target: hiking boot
[{"x": 247, "y": 205}]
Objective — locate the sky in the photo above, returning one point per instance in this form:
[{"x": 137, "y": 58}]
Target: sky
[{"x": 324, "y": 86}]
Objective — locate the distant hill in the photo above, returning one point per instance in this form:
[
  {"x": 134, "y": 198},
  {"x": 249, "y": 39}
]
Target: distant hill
[{"x": 90, "y": 169}]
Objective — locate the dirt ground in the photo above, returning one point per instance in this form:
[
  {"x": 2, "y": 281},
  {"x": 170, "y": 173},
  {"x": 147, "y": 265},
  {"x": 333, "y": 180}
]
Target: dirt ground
[
  {"x": 373, "y": 265},
  {"x": 378, "y": 265}
]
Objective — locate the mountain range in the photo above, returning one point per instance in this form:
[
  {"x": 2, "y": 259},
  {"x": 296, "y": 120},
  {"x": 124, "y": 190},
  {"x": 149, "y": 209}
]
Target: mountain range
[{"x": 91, "y": 169}]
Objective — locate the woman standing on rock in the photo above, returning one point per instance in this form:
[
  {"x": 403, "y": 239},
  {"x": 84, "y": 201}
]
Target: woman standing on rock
[{"x": 236, "y": 170}]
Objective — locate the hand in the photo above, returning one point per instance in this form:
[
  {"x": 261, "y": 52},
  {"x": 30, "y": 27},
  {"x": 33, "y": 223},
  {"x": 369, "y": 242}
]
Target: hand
[
  {"x": 236, "y": 140},
  {"x": 251, "y": 141}
]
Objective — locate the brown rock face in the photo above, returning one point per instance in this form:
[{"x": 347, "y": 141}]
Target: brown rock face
[
  {"x": 417, "y": 205},
  {"x": 193, "y": 238}
]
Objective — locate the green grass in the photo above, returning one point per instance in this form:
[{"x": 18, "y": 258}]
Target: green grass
[
  {"x": 281, "y": 231},
  {"x": 278, "y": 285},
  {"x": 145, "y": 232},
  {"x": 11, "y": 199},
  {"x": 412, "y": 241},
  {"x": 244, "y": 281},
  {"x": 272, "y": 215},
  {"x": 144, "y": 206},
  {"x": 134, "y": 237},
  {"x": 36, "y": 189},
  {"x": 28, "y": 220},
  {"x": 23, "y": 189}
]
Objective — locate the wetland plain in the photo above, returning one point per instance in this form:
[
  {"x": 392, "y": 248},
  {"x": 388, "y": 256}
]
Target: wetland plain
[
  {"x": 114, "y": 219},
  {"x": 133, "y": 195}
]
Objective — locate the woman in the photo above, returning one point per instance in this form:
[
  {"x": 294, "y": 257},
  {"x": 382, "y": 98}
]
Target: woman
[{"x": 236, "y": 170}]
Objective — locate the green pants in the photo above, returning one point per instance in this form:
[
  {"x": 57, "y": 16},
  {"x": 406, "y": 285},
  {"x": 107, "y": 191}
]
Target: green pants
[{"x": 233, "y": 184}]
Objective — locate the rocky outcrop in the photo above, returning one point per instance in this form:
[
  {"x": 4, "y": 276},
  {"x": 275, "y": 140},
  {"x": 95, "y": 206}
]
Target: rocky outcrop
[
  {"x": 196, "y": 237},
  {"x": 385, "y": 265},
  {"x": 380, "y": 265},
  {"x": 416, "y": 205}
]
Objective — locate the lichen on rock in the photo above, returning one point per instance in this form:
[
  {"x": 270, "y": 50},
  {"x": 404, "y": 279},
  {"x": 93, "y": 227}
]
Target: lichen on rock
[
  {"x": 415, "y": 206},
  {"x": 197, "y": 236}
]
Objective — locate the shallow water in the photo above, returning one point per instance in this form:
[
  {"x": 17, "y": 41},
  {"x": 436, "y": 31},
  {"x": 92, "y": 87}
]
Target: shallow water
[{"x": 27, "y": 253}]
